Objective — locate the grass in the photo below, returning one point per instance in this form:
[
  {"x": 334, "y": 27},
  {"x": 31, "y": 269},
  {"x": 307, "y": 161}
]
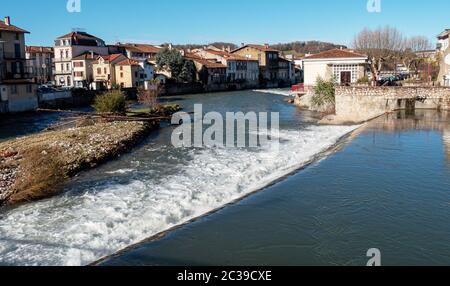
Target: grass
[{"x": 46, "y": 160}]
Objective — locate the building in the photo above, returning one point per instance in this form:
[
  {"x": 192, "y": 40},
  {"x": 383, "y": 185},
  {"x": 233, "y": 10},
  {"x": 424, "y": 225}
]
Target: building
[
  {"x": 286, "y": 71},
  {"x": 83, "y": 75},
  {"x": 104, "y": 70},
  {"x": 210, "y": 73},
  {"x": 139, "y": 52},
  {"x": 129, "y": 73},
  {"x": 71, "y": 46},
  {"x": 345, "y": 66},
  {"x": 443, "y": 51},
  {"x": 267, "y": 58},
  {"x": 239, "y": 69},
  {"x": 40, "y": 63},
  {"x": 17, "y": 90}
]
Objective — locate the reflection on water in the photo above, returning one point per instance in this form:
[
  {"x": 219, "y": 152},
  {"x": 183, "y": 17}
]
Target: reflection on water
[
  {"x": 424, "y": 120},
  {"x": 388, "y": 187}
]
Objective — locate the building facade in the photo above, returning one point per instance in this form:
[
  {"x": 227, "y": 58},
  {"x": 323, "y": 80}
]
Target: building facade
[
  {"x": 443, "y": 50},
  {"x": 83, "y": 76},
  {"x": 104, "y": 70},
  {"x": 344, "y": 66},
  {"x": 71, "y": 46},
  {"x": 40, "y": 63},
  {"x": 268, "y": 60},
  {"x": 17, "y": 90},
  {"x": 239, "y": 69}
]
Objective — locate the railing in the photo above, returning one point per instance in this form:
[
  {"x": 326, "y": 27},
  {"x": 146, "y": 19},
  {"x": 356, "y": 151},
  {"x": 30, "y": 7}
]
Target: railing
[
  {"x": 13, "y": 56},
  {"x": 298, "y": 87},
  {"x": 10, "y": 75}
]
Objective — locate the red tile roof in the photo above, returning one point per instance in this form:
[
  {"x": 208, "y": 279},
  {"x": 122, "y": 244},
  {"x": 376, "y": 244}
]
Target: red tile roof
[
  {"x": 11, "y": 28},
  {"x": 336, "y": 54},
  {"x": 228, "y": 56},
  {"x": 140, "y": 48},
  {"x": 128, "y": 62},
  {"x": 109, "y": 58},
  {"x": 86, "y": 56},
  {"x": 42, "y": 50},
  {"x": 262, "y": 48},
  {"x": 209, "y": 64}
]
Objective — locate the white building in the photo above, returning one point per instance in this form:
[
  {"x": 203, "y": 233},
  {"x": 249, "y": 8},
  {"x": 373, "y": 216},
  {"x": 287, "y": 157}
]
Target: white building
[
  {"x": 345, "y": 66},
  {"x": 70, "y": 46},
  {"x": 444, "y": 52}
]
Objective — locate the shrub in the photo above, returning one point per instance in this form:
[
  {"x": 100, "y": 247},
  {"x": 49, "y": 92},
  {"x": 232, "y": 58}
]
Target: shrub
[
  {"x": 110, "y": 102},
  {"x": 324, "y": 93},
  {"x": 363, "y": 80}
]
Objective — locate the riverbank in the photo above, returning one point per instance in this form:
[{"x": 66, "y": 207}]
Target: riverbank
[{"x": 36, "y": 166}]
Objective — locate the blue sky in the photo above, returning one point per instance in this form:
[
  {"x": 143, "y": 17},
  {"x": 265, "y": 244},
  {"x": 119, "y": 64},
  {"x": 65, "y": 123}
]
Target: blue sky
[{"x": 237, "y": 21}]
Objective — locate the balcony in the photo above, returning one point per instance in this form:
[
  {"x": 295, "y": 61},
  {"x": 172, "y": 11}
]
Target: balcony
[
  {"x": 10, "y": 75},
  {"x": 13, "y": 56}
]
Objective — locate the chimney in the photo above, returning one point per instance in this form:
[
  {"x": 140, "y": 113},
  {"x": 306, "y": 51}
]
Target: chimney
[
  {"x": 243, "y": 44},
  {"x": 92, "y": 54},
  {"x": 8, "y": 21},
  {"x": 223, "y": 48},
  {"x": 266, "y": 46},
  {"x": 229, "y": 49},
  {"x": 170, "y": 47}
]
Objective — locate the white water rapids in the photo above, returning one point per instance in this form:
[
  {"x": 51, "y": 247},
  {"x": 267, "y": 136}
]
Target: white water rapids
[{"x": 77, "y": 229}]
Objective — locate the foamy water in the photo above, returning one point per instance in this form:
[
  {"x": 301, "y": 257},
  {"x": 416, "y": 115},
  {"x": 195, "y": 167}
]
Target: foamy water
[
  {"x": 278, "y": 91},
  {"x": 79, "y": 228}
]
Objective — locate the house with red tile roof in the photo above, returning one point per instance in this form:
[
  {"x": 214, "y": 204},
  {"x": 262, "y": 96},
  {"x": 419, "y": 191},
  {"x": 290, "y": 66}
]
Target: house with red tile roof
[
  {"x": 39, "y": 63},
  {"x": 139, "y": 52},
  {"x": 104, "y": 70},
  {"x": 240, "y": 69},
  {"x": 345, "y": 66},
  {"x": 70, "y": 46},
  {"x": 17, "y": 89},
  {"x": 269, "y": 63}
]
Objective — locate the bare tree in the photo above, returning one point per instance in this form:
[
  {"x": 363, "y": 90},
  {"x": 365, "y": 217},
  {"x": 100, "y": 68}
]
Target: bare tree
[
  {"x": 149, "y": 97},
  {"x": 380, "y": 45}
]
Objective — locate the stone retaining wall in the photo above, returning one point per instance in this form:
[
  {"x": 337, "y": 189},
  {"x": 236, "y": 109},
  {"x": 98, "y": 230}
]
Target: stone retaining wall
[{"x": 360, "y": 104}]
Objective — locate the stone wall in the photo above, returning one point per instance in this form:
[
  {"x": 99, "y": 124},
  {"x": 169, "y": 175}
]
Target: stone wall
[{"x": 360, "y": 104}]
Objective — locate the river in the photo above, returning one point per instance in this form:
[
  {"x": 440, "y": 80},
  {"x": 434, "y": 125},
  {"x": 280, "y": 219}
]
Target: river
[{"x": 382, "y": 187}]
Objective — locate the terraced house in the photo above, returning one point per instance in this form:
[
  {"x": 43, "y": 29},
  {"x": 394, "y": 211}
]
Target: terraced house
[
  {"x": 17, "y": 90},
  {"x": 40, "y": 63},
  {"x": 70, "y": 46},
  {"x": 268, "y": 60},
  {"x": 240, "y": 70}
]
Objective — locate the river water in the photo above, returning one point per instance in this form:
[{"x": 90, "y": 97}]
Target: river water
[{"x": 388, "y": 187}]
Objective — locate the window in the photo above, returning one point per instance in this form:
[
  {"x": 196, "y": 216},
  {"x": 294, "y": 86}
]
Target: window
[
  {"x": 121, "y": 68},
  {"x": 61, "y": 53},
  {"x": 29, "y": 88},
  {"x": 121, "y": 75},
  {"x": 1, "y": 34},
  {"x": 62, "y": 67},
  {"x": 135, "y": 74},
  {"x": 78, "y": 64},
  {"x": 69, "y": 81},
  {"x": 13, "y": 89},
  {"x": 338, "y": 69},
  {"x": 99, "y": 71},
  {"x": 17, "y": 36},
  {"x": 105, "y": 70},
  {"x": 68, "y": 67},
  {"x": 67, "y": 53}
]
